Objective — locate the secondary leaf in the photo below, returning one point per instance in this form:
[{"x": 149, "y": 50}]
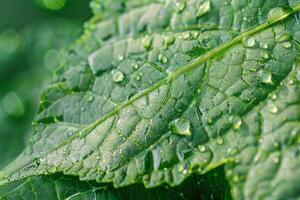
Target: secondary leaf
[{"x": 163, "y": 90}]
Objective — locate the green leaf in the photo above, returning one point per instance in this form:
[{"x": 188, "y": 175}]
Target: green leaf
[
  {"x": 211, "y": 186},
  {"x": 163, "y": 90}
]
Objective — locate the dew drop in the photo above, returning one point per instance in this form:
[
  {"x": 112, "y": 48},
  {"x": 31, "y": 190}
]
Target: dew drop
[
  {"x": 135, "y": 66},
  {"x": 273, "y": 109},
  {"x": 147, "y": 41},
  {"x": 264, "y": 45},
  {"x": 236, "y": 122},
  {"x": 203, "y": 8},
  {"x": 273, "y": 97},
  {"x": 287, "y": 45},
  {"x": 291, "y": 82},
  {"x": 120, "y": 57},
  {"x": 202, "y": 148},
  {"x": 186, "y": 35},
  {"x": 70, "y": 133},
  {"x": 169, "y": 40},
  {"x": 284, "y": 37},
  {"x": 91, "y": 98},
  {"x": 250, "y": 42},
  {"x": 184, "y": 171},
  {"x": 181, "y": 126},
  {"x": 220, "y": 140},
  {"x": 138, "y": 77},
  {"x": 275, "y": 14},
  {"x": 117, "y": 76},
  {"x": 180, "y": 6},
  {"x": 265, "y": 55},
  {"x": 163, "y": 59}
]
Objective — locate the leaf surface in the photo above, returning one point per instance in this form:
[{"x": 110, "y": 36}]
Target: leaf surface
[{"x": 163, "y": 90}]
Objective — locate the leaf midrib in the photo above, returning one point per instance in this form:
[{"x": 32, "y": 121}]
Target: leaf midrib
[{"x": 172, "y": 76}]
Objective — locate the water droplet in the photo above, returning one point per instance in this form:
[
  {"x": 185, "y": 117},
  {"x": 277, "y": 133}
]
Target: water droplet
[
  {"x": 273, "y": 97},
  {"x": 147, "y": 41},
  {"x": 203, "y": 8},
  {"x": 195, "y": 35},
  {"x": 91, "y": 98},
  {"x": 220, "y": 140},
  {"x": 186, "y": 35},
  {"x": 98, "y": 157},
  {"x": 291, "y": 82},
  {"x": 266, "y": 77},
  {"x": 236, "y": 178},
  {"x": 120, "y": 57},
  {"x": 232, "y": 151},
  {"x": 236, "y": 122},
  {"x": 135, "y": 66},
  {"x": 70, "y": 133},
  {"x": 276, "y": 14},
  {"x": 284, "y": 37},
  {"x": 169, "y": 40},
  {"x": 202, "y": 148},
  {"x": 287, "y": 45},
  {"x": 250, "y": 42},
  {"x": 209, "y": 121},
  {"x": 180, "y": 6},
  {"x": 180, "y": 168},
  {"x": 138, "y": 77},
  {"x": 273, "y": 109},
  {"x": 181, "y": 126},
  {"x": 184, "y": 171},
  {"x": 264, "y": 45},
  {"x": 265, "y": 55},
  {"x": 117, "y": 76},
  {"x": 163, "y": 59}
]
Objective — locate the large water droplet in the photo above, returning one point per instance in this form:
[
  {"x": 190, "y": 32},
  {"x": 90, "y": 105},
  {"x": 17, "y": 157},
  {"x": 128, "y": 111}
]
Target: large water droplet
[
  {"x": 276, "y": 14},
  {"x": 203, "y": 8},
  {"x": 202, "y": 148},
  {"x": 181, "y": 126},
  {"x": 265, "y": 55},
  {"x": 273, "y": 109},
  {"x": 90, "y": 98},
  {"x": 273, "y": 96},
  {"x": 135, "y": 66},
  {"x": 117, "y": 76}
]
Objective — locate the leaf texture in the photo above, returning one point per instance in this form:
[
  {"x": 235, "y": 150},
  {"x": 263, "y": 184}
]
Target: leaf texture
[{"x": 157, "y": 91}]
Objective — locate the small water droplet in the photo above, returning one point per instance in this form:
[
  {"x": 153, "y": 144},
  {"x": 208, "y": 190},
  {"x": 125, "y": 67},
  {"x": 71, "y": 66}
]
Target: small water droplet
[
  {"x": 181, "y": 168},
  {"x": 209, "y": 121},
  {"x": 265, "y": 55},
  {"x": 203, "y": 8},
  {"x": 185, "y": 171},
  {"x": 273, "y": 109},
  {"x": 117, "y": 76},
  {"x": 264, "y": 45},
  {"x": 202, "y": 148},
  {"x": 186, "y": 35},
  {"x": 236, "y": 178},
  {"x": 181, "y": 126},
  {"x": 169, "y": 40},
  {"x": 291, "y": 82},
  {"x": 220, "y": 140},
  {"x": 120, "y": 57},
  {"x": 147, "y": 41},
  {"x": 273, "y": 96},
  {"x": 236, "y": 122},
  {"x": 70, "y": 133},
  {"x": 135, "y": 66},
  {"x": 287, "y": 45},
  {"x": 138, "y": 77},
  {"x": 163, "y": 59},
  {"x": 98, "y": 157},
  {"x": 284, "y": 37},
  {"x": 250, "y": 42},
  {"x": 180, "y": 6},
  {"x": 83, "y": 109},
  {"x": 276, "y": 14},
  {"x": 91, "y": 98}
]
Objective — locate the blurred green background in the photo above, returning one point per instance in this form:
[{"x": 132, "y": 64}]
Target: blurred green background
[{"x": 32, "y": 36}]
